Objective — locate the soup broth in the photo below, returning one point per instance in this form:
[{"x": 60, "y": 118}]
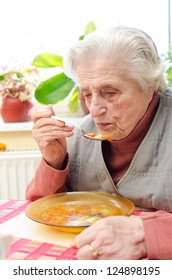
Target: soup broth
[{"x": 78, "y": 213}]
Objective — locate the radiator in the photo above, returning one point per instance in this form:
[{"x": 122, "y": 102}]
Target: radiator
[{"x": 17, "y": 168}]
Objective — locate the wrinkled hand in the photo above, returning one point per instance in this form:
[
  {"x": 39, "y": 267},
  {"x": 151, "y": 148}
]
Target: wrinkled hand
[
  {"x": 113, "y": 238},
  {"x": 50, "y": 136}
]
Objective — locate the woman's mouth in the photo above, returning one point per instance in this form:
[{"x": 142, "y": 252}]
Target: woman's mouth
[{"x": 103, "y": 125}]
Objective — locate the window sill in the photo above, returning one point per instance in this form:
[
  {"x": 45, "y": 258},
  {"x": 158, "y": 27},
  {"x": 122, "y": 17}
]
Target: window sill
[{"x": 23, "y": 126}]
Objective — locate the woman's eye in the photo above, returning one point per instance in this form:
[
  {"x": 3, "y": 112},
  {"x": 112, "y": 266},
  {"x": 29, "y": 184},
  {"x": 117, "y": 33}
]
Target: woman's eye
[
  {"x": 87, "y": 95},
  {"x": 108, "y": 94}
]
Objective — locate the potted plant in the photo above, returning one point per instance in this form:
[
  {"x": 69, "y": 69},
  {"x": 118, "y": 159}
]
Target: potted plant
[
  {"x": 17, "y": 86},
  {"x": 58, "y": 87}
]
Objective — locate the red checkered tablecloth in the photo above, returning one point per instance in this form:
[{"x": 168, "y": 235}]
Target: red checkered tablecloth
[
  {"x": 11, "y": 208},
  {"x": 26, "y": 249}
]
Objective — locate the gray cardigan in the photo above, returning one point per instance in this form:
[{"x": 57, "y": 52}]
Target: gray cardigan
[{"x": 148, "y": 180}]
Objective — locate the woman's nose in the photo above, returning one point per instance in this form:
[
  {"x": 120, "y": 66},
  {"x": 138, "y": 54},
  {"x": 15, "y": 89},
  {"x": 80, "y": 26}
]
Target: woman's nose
[{"x": 97, "y": 107}]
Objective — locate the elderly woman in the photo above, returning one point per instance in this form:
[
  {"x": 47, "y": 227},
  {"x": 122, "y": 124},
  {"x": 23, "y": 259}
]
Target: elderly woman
[{"x": 120, "y": 75}]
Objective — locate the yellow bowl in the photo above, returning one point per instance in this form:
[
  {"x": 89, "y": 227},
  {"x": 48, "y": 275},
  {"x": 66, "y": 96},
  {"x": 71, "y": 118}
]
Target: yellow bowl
[{"x": 34, "y": 211}]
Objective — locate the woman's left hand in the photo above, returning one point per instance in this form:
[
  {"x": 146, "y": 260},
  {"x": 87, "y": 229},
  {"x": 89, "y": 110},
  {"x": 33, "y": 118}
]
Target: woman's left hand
[{"x": 111, "y": 238}]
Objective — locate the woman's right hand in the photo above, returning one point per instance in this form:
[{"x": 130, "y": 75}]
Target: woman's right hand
[{"x": 50, "y": 136}]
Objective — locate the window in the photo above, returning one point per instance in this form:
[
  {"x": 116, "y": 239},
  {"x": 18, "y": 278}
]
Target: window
[{"x": 32, "y": 27}]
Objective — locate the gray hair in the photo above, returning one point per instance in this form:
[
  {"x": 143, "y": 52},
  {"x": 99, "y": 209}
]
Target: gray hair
[{"x": 131, "y": 50}]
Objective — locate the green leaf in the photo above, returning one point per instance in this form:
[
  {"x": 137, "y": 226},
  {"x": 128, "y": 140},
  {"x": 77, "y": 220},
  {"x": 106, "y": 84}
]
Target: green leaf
[
  {"x": 14, "y": 74},
  {"x": 90, "y": 27},
  {"x": 47, "y": 60},
  {"x": 2, "y": 78},
  {"x": 73, "y": 103},
  {"x": 54, "y": 89},
  {"x": 81, "y": 37},
  {"x": 28, "y": 70}
]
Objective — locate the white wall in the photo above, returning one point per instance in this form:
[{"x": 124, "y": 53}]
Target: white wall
[
  {"x": 29, "y": 27},
  {"x": 170, "y": 21}
]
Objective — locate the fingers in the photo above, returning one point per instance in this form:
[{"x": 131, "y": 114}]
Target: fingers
[
  {"x": 37, "y": 114},
  {"x": 91, "y": 233},
  {"x": 50, "y": 123},
  {"x": 43, "y": 123},
  {"x": 52, "y": 128},
  {"x": 89, "y": 249},
  {"x": 41, "y": 111},
  {"x": 84, "y": 238},
  {"x": 85, "y": 253},
  {"x": 92, "y": 243}
]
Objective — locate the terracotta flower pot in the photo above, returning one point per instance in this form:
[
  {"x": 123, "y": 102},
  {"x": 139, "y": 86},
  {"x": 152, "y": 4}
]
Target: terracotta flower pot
[{"x": 14, "y": 110}]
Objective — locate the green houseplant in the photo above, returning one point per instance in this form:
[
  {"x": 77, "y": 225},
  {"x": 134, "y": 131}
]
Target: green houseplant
[
  {"x": 17, "y": 86},
  {"x": 58, "y": 87},
  {"x": 168, "y": 58}
]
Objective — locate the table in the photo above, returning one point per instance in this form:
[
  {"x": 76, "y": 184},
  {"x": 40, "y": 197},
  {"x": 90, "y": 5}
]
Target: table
[{"x": 31, "y": 240}]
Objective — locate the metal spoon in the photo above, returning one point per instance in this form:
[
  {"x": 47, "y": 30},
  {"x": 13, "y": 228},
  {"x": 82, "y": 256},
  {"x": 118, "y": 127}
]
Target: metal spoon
[{"x": 83, "y": 133}]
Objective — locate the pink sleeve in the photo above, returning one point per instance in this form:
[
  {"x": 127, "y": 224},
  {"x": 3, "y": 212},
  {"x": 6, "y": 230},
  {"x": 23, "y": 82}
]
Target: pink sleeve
[
  {"x": 47, "y": 181},
  {"x": 158, "y": 235}
]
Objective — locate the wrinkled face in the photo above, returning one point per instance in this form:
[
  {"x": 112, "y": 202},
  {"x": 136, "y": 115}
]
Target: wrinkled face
[{"x": 116, "y": 103}]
